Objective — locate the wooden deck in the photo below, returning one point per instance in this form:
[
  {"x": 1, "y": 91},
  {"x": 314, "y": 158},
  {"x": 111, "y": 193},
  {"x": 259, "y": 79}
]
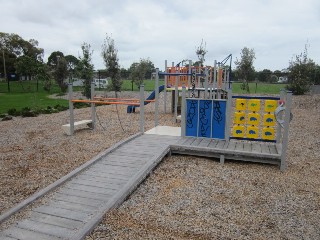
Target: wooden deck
[
  {"x": 233, "y": 149},
  {"x": 80, "y": 204}
]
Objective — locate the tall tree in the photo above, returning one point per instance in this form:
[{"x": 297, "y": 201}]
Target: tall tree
[
  {"x": 111, "y": 61},
  {"x": 140, "y": 71},
  {"x": 201, "y": 52},
  {"x": 53, "y": 58},
  {"x": 84, "y": 68},
  {"x": 245, "y": 68},
  {"x": 301, "y": 73}
]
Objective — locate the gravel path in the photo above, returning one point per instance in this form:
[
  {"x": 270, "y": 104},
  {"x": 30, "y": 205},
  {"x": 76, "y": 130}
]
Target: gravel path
[{"x": 185, "y": 197}]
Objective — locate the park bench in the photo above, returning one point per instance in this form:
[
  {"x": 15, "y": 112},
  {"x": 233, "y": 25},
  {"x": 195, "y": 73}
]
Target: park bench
[{"x": 77, "y": 125}]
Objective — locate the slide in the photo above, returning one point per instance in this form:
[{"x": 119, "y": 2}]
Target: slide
[{"x": 132, "y": 109}]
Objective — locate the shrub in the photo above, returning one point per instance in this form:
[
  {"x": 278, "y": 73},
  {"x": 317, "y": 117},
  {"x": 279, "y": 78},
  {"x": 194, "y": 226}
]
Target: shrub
[
  {"x": 13, "y": 112},
  {"x": 28, "y": 112}
]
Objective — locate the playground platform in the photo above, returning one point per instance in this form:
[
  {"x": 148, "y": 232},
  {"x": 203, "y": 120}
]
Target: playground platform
[{"x": 77, "y": 206}]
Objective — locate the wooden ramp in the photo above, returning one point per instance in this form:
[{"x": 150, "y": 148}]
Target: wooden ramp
[
  {"x": 81, "y": 203},
  {"x": 234, "y": 149}
]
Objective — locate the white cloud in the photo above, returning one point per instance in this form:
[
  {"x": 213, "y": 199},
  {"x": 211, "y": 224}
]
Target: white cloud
[{"x": 276, "y": 29}]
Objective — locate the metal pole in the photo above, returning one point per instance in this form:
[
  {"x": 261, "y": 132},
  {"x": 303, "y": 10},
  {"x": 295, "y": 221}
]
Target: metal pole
[
  {"x": 142, "y": 108},
  {"x": 183, "y": 112},
  {"x": 156, "y": 117},
  {"x": 215, "y": 74},
  {"x": 286, "y": 131},
  {"x": 93, "y": 107},
  {"x": 71, "y": 109}
]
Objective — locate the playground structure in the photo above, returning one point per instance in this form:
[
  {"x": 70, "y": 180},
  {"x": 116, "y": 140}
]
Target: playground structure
[{"x": 256, "y": 129}]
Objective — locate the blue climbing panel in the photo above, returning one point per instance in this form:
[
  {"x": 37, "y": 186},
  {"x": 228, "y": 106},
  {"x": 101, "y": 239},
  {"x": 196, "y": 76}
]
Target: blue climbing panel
[{"x": 206, "y": 118}]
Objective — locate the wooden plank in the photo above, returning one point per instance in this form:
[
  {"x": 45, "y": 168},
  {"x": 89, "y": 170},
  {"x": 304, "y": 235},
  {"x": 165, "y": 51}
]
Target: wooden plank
[
  {"x": 205, "y": 142},
  {"x": 124, "y": 161},
  {"x": 123, "y": 152},
  {"x": 45, "y": 228},
  {"x": 273, "y": 149},
  {"x": 72, "y": 206},
  {"x": 256, "y": 147},
  {"x": 116, "y": 178},
  {"x": 220, "y": 144},
  {"x": 106, "y": 185},
  {"x": 231, "y": 146},
  {"x": 110, "y": 179},
  {"x": 189, "y": 141},
  {"x": 182, "y": 140},
  {"x": 239, "y": 146},
  {"x": 247, "y": 147},
  {"x": 90, "y": 189},
  {"x": 103, "y": 171},
  {"x": 60, "y": 212},
  {"x": 24, "y": 234},
  {"x": 78, "y": 200},
  {"x": 225, "y": 146},
  {"x": 117, "y": 165},
  {"x": 57, "y": 221},
  {"x": 265, "y": 149},
  {"x": 213, "y": 143},
  {"x": 84, "y": 194},
  {"x": 196, "y": 142},
  {"x": 2, "y": 237}
]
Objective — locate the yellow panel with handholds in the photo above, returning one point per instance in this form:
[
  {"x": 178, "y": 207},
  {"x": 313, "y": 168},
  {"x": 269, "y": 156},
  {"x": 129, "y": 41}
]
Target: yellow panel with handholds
[
  {"x": 270, "y": 105},
  {"x": 239, "y": 118},
  {"x": 269, "y": 120},
  {"x": 252, "y": 132},
  {"x": 253, "y": 119},
  {"x": 268, "y": 133},
  {"x": 241, "y": 104},
  {"x": 254, "y": 105},
  {"x": 238, "y": 131}
]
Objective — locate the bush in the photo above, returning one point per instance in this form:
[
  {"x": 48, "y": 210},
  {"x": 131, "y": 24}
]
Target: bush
[
  {"x": 28, "y": 112},
  {"x": 13, "y": 112}
]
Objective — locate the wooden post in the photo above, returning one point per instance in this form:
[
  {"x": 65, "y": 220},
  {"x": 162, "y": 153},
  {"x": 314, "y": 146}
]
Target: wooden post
[
  {"x": 142, "y": 108},
  {"x": 189, "y": 77},
  {"x": 71, "y": 109},
  {"x": 93, "y": 106},
  {"x": 279, "y": 129},
  {"x": 206, "y": 83},
  {"x": 286, "y": 131},
  {"x": 176, "y": 96},
  {"x": 183, "y": 112},
  {"x": 228, "y": 115},
  {"x": 156, "y": 117},
  {"x": 165, "y": 86}
]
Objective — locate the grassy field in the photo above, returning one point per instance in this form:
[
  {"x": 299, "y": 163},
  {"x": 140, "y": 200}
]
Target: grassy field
[{"x": 26, "y": 94}]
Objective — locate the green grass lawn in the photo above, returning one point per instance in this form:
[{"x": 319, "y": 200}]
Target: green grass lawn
[
  {"x": 25, "y": 94},
  {"x": 262, "y": 88}
]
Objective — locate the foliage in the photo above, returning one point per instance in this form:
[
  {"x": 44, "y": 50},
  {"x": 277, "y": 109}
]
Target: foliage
[
  {"x": 140, "y": 71},
  {"x": 264, "y": 75},
  {"x": 60, "y": 73},
  {"x": 301, "y": 73},
  {"x": 245, "y": 69},
  {"x": 14, "y": 47},
  {"x": 201, "y": 51},
  {"x": 84, "y": 69},
  {"x": 44, "y": 75},
  {"x": 111, "y": 61},
  {"x": 53, "y": 58},
  {"x": 124, "y": 73}
]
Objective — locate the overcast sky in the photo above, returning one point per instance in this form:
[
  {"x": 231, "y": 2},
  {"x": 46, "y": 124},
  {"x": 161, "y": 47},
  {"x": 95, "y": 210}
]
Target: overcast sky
[{"x": 163, "y": 29}]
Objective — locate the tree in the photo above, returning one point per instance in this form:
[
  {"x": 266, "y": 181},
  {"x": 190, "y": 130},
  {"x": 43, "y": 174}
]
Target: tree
[
  {"x": 110, "y": 57},
  {"x": 301, "y": 73},
  {"x": 201, "y": 51},
  {"x": 245, "y": 67},
  {"x": 26, "y": 66},
  {"x": 84, "y": 69},
  {"x": 124, "y": 73},
  {"x": 141, "y": 71},
  {"x": 60, "y": 73},
  {"x": 264, "y": 75},
  {"x": 53, "y": 58},
  {"x": 13, "y": 47}
]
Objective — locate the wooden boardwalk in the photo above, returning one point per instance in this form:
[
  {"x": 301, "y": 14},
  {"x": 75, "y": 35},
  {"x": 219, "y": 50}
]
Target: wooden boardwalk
[
  {"x": 234, "y": 149},
  {"x": 80, "y": 204}
]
